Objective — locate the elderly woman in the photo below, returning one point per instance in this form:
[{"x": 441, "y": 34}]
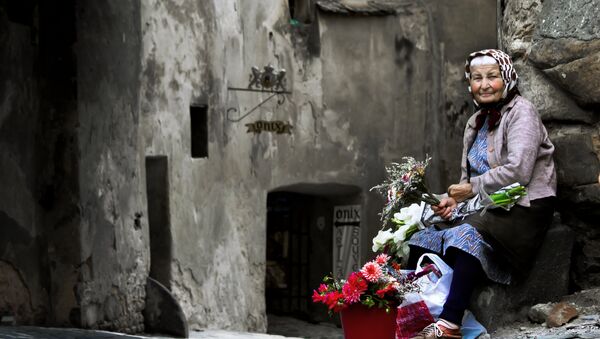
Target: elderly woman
[{"x": 504, "y": 142}]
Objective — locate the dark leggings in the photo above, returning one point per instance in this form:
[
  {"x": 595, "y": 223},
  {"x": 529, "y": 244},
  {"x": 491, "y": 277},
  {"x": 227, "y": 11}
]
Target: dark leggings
[{"x": 467, "y": 274}]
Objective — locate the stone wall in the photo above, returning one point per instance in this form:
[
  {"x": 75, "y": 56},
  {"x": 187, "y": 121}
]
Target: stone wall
[{"x": 556, "y": 49}]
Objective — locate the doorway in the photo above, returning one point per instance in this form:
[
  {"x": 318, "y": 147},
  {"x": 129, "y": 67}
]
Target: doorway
[{"x": 300, "y": 246}]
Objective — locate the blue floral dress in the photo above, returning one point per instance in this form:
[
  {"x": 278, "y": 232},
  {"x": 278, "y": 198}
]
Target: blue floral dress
[{"x": 464, "y": 236}]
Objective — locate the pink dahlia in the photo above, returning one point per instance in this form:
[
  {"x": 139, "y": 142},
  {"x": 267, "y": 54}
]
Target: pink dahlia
[
  {"x": 371, "y": 271},
  {"x": 382, "y": 259}
]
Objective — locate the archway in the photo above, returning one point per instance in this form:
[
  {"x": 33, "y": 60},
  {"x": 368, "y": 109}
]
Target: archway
[{"x": 300, "y": 245}]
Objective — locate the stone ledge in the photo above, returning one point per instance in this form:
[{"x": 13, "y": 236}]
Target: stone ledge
[{"x": 495, "y": 305}]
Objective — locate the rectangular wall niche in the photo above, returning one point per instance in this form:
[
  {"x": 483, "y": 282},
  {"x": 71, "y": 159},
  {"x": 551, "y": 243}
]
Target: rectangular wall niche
[
  {"x": 159, "y": 219},
  {"x": 199, "y": 132}
]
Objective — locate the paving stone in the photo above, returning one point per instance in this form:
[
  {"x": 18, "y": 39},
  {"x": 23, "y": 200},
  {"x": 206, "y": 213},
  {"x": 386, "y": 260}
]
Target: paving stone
[
  {"x": 561, "y": 314},
  {"x": 538, "y": 313}
]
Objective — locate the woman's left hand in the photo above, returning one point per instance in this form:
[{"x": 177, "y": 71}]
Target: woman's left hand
[{"x": 461, "y": 192}]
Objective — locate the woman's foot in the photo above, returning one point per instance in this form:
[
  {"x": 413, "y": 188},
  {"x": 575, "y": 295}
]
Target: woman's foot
[{"x": 440, "y": 330}]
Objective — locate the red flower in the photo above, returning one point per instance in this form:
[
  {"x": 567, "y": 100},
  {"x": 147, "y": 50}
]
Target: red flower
[
  {"x": 354, "y": 287},
  {"x": 333, "y": 301},
  {"x": 382, "y": 292},
  {"x": 317, "y": 297}
]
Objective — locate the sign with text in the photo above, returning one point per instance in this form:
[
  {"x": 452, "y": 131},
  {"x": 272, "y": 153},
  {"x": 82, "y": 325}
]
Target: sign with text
[
  {"x": 277, "y": 126},
  {"x": 346, "y": 240}
]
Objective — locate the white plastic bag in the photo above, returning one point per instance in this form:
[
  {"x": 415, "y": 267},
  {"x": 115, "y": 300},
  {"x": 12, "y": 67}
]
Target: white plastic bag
[{"x": 434, "y": 290}]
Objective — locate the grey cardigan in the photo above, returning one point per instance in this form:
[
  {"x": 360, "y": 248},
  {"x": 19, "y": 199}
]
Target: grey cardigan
[{"x": 519, "y": 150}]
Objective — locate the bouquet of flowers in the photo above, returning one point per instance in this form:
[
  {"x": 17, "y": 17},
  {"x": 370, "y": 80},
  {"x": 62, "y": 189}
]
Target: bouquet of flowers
[
  {"x": 379, "y": 283},
  {"x": 404, "y": 185}
]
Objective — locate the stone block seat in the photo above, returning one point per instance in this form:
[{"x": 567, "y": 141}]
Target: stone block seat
[{"x": 495, "y": 305}]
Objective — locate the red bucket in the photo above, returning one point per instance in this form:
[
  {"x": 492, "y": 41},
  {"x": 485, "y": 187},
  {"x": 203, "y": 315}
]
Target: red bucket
[{"x": 361, "y": 322}]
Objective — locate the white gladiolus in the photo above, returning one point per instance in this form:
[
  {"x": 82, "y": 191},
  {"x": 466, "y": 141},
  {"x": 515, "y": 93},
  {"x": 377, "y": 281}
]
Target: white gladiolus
[
  {"x": 403, "y": 250},
  {"x": 381, "y": 239},
  {"x": 400, "y": 234},
  {"x": 411, "y": 215}
]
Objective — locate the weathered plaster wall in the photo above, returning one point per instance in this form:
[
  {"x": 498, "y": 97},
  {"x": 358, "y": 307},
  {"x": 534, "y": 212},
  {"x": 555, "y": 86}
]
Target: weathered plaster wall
[
  {"x": 216, "y": 219},
  {"x": 556, "y": 46},
  {"x": 374, "y": 72},
  {"x": 21, "y": 275},
  {"x": 114, "y": 233}
]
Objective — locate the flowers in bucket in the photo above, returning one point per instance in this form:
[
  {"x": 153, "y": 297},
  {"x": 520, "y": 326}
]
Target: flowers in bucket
[
  {"x": 404, "y": 185},
  {"x": 379, "y": 283}
]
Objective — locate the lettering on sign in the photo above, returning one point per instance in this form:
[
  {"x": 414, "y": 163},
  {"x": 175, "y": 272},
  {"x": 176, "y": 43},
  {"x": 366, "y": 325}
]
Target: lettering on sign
[
  {"x": 346, "y": 240},
  {"x": 277, "y": 126}
]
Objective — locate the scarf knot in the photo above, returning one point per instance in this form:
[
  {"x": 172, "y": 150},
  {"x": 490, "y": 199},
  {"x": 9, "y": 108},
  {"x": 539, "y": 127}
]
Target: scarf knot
[{"x": 491, "y": 114}]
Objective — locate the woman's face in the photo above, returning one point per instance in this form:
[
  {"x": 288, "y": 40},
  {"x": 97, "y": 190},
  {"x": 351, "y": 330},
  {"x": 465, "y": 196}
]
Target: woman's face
[{"x": 486, "y": 82}]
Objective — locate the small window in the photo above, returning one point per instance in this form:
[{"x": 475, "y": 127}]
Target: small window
[
  {"x": 302, "y": 10},
  {"x": 199, "y": 132}
]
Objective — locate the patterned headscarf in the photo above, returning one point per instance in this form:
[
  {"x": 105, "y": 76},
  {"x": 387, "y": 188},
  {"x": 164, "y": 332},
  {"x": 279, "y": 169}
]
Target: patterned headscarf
[{"x": 510, "y": 77}]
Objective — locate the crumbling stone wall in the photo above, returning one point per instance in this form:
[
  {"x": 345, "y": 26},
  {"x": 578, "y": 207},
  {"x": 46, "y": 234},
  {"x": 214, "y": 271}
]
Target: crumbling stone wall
[{"x": 556, "y": 48}]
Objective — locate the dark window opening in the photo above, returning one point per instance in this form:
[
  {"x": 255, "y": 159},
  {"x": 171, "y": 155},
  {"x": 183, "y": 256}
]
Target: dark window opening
[
  {"x": 199, "y": 132},
  {"x": 302, "y": 11}
]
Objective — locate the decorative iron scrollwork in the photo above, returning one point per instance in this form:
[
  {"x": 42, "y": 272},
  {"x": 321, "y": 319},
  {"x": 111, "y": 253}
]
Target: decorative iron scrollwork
[{"x": 269, "y": 80}]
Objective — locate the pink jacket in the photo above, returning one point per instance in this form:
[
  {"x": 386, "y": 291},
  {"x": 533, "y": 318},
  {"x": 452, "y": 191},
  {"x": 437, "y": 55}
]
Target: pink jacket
[{"x": 519, "y": 150}]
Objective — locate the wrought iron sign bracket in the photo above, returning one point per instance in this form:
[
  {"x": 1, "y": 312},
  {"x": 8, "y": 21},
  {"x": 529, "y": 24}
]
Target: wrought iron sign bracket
[{"x": 270, "y": 81}]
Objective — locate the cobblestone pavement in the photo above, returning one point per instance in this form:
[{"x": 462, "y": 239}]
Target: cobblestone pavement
[
  {"x": 287, "y": 326},
  {"x": 279, "y": 328},
  {"x": 585, "y": 326},
  {"x": 25, "y": 332}
]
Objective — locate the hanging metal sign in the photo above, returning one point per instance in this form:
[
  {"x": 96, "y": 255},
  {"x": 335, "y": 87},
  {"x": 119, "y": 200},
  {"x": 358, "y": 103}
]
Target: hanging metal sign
[
  {"x": 277, "y": 126},
  {"x": 269, "y": 80},
  {"x": 346, "y": 240}
]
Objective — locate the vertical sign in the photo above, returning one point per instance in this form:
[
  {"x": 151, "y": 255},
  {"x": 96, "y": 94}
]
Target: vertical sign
[{"x": 346, "y": 240}]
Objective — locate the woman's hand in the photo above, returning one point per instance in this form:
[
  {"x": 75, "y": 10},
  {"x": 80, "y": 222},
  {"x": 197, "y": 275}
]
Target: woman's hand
[
  {"x": 445, "y": 208},
  {"x": 461, "y": 192}
]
